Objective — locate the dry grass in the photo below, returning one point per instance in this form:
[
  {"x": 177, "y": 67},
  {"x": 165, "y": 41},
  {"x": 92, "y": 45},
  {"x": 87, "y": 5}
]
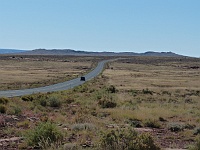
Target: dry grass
[
  {"x": 139, "y": 76},
  {"x": 173, "y": 83},
  {"x": 26, "y": 73}
]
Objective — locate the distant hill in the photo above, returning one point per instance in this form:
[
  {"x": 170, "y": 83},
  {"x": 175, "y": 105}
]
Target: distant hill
[
  {"x": 165, "y": 54},
  {"x": 86, "y": 53},
  {"x": 9, "y": 51}
]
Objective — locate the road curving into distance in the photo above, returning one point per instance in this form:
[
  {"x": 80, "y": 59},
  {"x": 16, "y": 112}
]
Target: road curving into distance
[{"x": 57, "y": 87}]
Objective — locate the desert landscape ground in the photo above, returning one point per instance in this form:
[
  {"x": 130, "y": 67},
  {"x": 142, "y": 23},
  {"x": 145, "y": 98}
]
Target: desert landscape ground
[
  {"x": 20, "y": 72},
  {"x": 139, "y": 103}
]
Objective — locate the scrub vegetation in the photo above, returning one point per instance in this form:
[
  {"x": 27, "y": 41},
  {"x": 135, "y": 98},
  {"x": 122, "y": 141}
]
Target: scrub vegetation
[{"x": 139, "y": 103}]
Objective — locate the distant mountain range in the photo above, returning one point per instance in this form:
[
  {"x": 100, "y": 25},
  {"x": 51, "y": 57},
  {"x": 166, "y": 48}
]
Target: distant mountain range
[
  {"x": 85, "y": 53},
  {"x": 9, "y": 51}
]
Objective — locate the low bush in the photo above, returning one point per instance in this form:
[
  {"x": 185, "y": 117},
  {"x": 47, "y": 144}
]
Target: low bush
[
  {"x": 111, "y": 89},
  {"x": 107, "y": 103},
  {"x": 82, "y": 88},
  {"x": 2, "y": 109},
  {"x": 27, "y": 98},
  {"x": 14, "y": 110},
  {"x": 4, "y": 100},
  {"x": 127, "y": 139},
  {"x": 198, "y": 93},
  {"x": 54, "y": 102},
  {"x": 43, "y": 102},
  {"x": 43, "y": 135},
  {"x": 135, "y": 123},
  {"x": 147, "y": 91},
  {"x": 197, "y": 131},
  {"x": 151, "y": 123},
  {"x": 134, "y": 92},
  {"x": 176, "y": 127},
  {"x": 190, "y": 126}
]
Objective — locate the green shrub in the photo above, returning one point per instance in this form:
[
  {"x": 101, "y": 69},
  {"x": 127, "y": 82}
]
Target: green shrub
[
  {"x": 134, "y": 92},
  {"x": 110, "y": 141},
  {"x": 4, "y": 100},
  {"x": 111, "y": 89},
  {"x": 198, "y": 93},
  {"x": 151, "y": 123},
  {"x": 107, "y": 103},
  {"x": 14, "y": 110},
  {"x": 145, "y": 142},
  {"x": 54, "y": 102},
  {"x": 43, "y": 135},
  {"x": 197, "y": 131},
  {"x": 189, "y": 126},
  {"x": 27, "y": 98},
  {"x": 135, "y": 123},
  {"x": 127, "y": 140},
  {"x": 43, "y": 102},
  {"x": 2, "y": 109},
  {"x": 176, "y": 127},
  {"x": 147, "y": 91},
  {"x": 82, "y": 88}
]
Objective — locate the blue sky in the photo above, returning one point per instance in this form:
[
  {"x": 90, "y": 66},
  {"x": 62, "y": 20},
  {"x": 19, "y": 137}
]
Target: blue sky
[{"x": 102, "y": 25}]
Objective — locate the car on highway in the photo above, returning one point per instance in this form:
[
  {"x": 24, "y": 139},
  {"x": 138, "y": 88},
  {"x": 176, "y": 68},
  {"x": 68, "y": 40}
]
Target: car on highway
[{"x": 82, "y": 79}]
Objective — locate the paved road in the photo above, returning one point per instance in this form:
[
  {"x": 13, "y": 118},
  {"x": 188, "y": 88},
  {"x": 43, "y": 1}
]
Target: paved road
[{"x": 56, "y": 87}]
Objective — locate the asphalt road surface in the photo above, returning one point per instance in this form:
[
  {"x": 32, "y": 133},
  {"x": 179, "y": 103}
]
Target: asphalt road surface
[{"x": 56, "y": 87}]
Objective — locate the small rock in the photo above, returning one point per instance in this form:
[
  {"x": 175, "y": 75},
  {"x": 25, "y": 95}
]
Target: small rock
[{"x": 65, "y": 128}]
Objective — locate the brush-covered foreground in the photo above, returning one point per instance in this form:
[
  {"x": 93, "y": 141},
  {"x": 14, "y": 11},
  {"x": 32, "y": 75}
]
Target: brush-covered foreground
[{"x": 137, "y": 103}]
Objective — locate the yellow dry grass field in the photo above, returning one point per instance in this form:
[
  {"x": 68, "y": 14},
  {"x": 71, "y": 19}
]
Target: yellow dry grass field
[
  {"x": 27, "y": 73},
  {"x": 172, "y": 86},
  {"x": 161, "y": 76}
]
